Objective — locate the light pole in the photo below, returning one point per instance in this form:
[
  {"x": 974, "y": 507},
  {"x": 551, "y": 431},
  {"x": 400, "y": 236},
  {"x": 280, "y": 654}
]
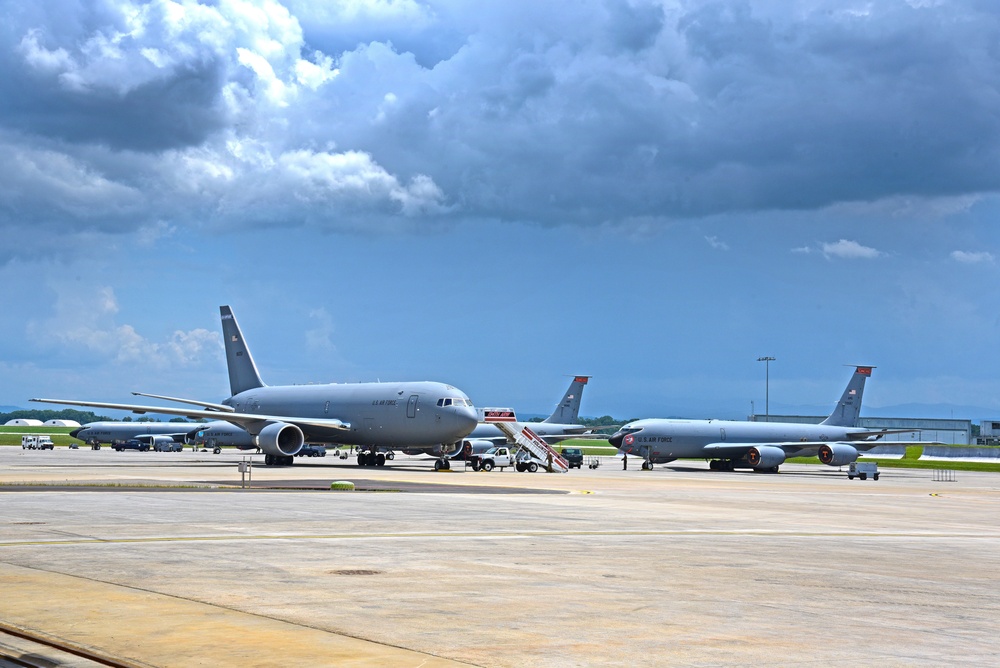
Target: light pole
[{"x": 767, "y": 386}]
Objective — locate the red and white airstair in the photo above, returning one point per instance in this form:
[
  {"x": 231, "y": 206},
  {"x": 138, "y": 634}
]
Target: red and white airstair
[{"x": 521, "y": 434}]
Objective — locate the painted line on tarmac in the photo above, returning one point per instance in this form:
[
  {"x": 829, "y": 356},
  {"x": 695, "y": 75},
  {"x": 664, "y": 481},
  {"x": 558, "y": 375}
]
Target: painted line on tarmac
[{"x": 505, "y": 535}]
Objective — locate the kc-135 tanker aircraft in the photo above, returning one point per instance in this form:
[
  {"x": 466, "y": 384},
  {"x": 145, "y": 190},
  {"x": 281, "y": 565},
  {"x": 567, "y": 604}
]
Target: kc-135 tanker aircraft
[
  {"x": 762, "y": 446},
  {"x": 429, "y": 416}
]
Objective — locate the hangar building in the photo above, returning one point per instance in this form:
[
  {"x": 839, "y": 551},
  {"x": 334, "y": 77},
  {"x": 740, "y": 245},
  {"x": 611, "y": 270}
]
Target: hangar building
[{"x": 23, "y": 422}]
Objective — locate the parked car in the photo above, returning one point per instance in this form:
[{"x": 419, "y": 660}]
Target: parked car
[
  {"x": 573, "y": 456},
  {"x": 131, "y": 444}
]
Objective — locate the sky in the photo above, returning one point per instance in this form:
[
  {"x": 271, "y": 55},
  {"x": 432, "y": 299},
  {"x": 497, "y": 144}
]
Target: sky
[{"x": 500, "y": 195}]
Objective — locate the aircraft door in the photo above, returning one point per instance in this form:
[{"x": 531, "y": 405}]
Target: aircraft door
[
  {"x": 722, "y": 434},
  {"x": 411, "y": 406}
]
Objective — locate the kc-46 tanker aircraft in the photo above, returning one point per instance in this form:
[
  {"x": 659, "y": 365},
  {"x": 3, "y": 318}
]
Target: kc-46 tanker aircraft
[
  {"x": 428, "y": 416},
  {"x": 762, "y": 446}
]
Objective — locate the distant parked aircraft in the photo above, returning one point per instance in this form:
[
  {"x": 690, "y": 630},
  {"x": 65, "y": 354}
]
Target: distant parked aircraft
[
  {"x": 762, "y": 446},
  {"x": 96, "y": 433},
  {"x": 427, "y": 416}
]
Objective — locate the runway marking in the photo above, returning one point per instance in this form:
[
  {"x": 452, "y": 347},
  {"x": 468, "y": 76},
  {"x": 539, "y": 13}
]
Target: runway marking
[{"x": 513, "y": 534}]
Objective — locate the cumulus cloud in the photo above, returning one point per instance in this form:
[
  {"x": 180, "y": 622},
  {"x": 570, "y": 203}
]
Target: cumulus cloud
[
  {"x": 85, "y": 323},
  {"x": 850, "y": 250},
  {"x": 715, "y": 243},
  {"x": 972, "y": 257},
  {"x": 348, "y": 114}
]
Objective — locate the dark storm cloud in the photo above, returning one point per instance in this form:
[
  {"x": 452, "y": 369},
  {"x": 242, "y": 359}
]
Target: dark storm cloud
[{"x": 349, "y": 115}]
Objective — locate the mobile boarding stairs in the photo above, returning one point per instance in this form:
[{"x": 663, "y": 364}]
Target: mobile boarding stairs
[{"x": 526, "y": 439}]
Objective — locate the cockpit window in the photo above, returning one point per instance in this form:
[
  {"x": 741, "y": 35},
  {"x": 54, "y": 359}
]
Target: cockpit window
[
  {"x": 630, "y": 430},
  {"x": 454, "y": 401}
]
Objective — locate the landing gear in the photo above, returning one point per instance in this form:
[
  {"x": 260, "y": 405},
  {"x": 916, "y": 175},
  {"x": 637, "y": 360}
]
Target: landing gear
[
  {"x": 278, "y": 460},
  {"x": 646, "y": 466},
  {"x": 371, "y": 459},
  {"x": 722, "y": 465},
  {"x": 442, "y": 465}
]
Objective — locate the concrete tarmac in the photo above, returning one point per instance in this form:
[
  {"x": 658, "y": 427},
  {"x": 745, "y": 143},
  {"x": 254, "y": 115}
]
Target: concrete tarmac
[{"x": 680, "y": 565}]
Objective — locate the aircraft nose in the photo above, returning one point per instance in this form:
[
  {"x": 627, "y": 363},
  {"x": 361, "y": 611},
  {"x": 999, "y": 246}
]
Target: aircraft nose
[
  {"x": 467, "y": 419},
  {"x": 75, "y": 433},
  {"x": 617, "y": 438}
]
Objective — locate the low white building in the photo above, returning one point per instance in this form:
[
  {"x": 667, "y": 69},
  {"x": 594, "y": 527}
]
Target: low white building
[
  {"x": 62, "y": 423},
  {"x": 23, "y": 422}
]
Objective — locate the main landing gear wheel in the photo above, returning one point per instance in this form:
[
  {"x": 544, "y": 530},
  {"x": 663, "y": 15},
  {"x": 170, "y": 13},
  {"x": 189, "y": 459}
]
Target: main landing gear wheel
[
  {"x": 442, "y": 465},
  {"x": 646, "y": 466},
  {"x": 380, "y": 460}
]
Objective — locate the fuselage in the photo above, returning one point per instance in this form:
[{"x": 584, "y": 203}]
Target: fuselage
[
  {"x": 663, "y": 440},
  {"x": 111, "y": 432},
  {"x": 402, "y": 414}
]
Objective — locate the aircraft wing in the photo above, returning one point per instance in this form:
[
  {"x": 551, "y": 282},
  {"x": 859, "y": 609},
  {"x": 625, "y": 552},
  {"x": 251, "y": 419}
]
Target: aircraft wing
[
  {"x": 242, "y": 419},
  {"x": 555, "y": 438},
  {"x": 791, "y": 448}
]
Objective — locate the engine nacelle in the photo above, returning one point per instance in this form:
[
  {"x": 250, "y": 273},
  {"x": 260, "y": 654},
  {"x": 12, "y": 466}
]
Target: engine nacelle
[
  {"x": 837, "y": 454},
  {"x": 765, "y": 456},
  {"x": 281, "y": 439}
]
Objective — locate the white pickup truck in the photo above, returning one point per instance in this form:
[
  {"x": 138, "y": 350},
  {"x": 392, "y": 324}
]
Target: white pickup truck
[{"x": 502, "y": 456}]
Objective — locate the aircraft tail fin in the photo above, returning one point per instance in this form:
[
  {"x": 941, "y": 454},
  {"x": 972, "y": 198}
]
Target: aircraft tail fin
[
  {"x": 845, "y": 413},
  {"x": 568, "y": 410},
  {"x": 243, "y": 374}
]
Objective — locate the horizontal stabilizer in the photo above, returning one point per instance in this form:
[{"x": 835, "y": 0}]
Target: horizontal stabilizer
[{"x": 865, "y": 435}]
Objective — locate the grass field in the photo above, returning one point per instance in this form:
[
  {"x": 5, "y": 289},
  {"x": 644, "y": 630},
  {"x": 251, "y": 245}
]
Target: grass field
[{"x": 60, "y": 435}]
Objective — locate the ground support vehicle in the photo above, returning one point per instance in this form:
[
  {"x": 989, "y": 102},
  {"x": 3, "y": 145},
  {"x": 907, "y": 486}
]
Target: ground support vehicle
[
  {"x": 36, "y": 442},
  {"x": 862, "y": 470},
  {"x": 573, "y": 457},
  {"x": 312, "y": 450},
  {"x": 167, "y": 446},
  {"x": 501, "y": 457}
]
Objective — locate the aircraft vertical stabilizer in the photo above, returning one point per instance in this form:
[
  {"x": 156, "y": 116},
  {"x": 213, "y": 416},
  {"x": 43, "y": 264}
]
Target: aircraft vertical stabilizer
[
  {"x": 243, "y": 374},
  {"x": 846, "y": 412},
  {"x": 568, "y": 410}
]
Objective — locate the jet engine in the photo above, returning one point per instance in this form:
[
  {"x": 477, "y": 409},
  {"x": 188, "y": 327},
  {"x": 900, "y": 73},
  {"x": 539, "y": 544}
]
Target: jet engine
[
  {"x": 837, "y": 454},
  {"x": 281, "y": 439},
  {"x": 765, "y": 457}
]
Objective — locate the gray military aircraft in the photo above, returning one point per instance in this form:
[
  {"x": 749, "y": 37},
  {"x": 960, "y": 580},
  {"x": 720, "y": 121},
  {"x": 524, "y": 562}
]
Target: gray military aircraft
[
  {"x": 762, "y": 446},
  {"x": 428, "y": 416},
  {"x": 96, "y": 433},
  {"x": 560, "y": 425}
]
